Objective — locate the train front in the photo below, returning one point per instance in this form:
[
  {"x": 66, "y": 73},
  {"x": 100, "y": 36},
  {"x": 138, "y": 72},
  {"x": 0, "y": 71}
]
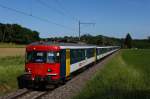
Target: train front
[{"x": 42, "y": 64}]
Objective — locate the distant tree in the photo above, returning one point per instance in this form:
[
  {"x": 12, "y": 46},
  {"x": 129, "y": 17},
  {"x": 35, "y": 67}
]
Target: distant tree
[
  {"x": 1, "y": 32},
  {"x": 87, "y": 38},
  {"x": 17, "y": 34},
  {"x": 128, "y": 41},
  {"x": 149, "y": 38}
]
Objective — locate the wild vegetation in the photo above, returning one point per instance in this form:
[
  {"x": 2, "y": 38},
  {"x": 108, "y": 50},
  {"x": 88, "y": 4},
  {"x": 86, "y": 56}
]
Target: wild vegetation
[
  {"x": 126, "y": 76},
  {"x": 14, "y": 33},
  {"x": 12, "y": 52},
  {"x": 141, "y": 44},
  {"x": 128, "y": 41},
  {"x": 10, "y": 68},
  {"x": 11, "y": 45}
]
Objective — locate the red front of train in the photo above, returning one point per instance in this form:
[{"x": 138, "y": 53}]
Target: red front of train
[{"x": 42, "y": 63}]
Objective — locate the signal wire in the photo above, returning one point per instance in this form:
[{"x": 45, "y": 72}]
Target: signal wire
[
  {"x": 60, "y": 5},
  {"x": 48, "y": 6},
  {"x": 36, "y": 17},
  {"x": 58, "y": 11}
]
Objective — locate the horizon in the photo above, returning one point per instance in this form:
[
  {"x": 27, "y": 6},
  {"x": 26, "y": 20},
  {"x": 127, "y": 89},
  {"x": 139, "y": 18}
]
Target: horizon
[{"x": 113, "y": 19}]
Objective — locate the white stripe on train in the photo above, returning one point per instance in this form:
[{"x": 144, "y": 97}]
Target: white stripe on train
[{"x": 85, "y": 62}]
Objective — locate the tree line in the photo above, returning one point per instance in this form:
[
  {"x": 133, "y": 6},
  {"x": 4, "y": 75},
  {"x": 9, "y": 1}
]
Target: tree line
[
  {"x": 15, "y": 33},
  {"x": 101, "y": 40}
]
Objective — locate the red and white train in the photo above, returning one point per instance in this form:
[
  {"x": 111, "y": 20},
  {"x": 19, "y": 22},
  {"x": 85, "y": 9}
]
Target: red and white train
[{"x": 53, "y": 63}]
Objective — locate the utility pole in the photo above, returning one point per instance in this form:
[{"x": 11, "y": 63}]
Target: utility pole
[
  {"x": 79, "y": 30},
  {"x": 82, "y": 23}
]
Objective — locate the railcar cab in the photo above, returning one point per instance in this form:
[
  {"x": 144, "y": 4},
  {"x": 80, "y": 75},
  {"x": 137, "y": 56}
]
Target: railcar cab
[{"x": 42, "y": 62}]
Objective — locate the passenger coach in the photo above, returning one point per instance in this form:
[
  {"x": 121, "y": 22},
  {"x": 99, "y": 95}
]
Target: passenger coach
[{"x": 50, "y": 63}]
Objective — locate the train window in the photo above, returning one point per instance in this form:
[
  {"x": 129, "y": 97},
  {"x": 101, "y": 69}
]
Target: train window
[
  {"x": 103, "y": 50},
  {"x": 81, "y": 54},
  {"x": 52, "y": 57},
  {"x": 77, "y": 55},
  {"x": 36, "y": 57},
  {"x": 71, "y": 56},
  {"x": 42, "y": 57},
  {"x": 74, "y": 56},
  {"x": 99, "y": 51},
  {"x": 90, "y": 53}
]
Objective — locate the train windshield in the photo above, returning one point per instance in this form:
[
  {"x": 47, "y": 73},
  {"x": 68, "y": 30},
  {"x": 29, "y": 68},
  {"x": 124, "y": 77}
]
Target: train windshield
[{"x": 42, "y": 57}]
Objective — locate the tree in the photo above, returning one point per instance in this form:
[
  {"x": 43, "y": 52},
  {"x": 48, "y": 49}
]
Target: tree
[
  {"x": 17, "y": 34},
  {"x": 1, "y": 32},
  {"x": 149, "y": 39},
  {"x": 128, "y": 41}
]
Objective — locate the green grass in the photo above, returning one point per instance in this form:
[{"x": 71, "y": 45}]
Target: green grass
[
  {"x": 11, "y": 45},
  {"x": 10, "y": 68},
  {"x": 126, "y": 76}
]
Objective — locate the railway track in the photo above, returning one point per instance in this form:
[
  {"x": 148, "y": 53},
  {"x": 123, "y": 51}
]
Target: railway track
[
  {"x": 27, "y": 94},
  {"x": 15, "y": 94},
  {"x": 32, "y": 95}
]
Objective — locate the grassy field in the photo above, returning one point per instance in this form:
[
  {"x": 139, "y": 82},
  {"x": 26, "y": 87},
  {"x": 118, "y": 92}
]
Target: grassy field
[
  {"x": 4, "y": 52},
  {"x": 126, "y": 76},
  {"x": 11, "y": 45},
  {"x": 10, "y": 49},
  {"x": 10, "y": 68}
]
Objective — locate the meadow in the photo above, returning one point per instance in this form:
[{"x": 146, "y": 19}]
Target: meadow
[
  {"x": 125, "y": 76},
  {"x": 10, "y": 49},
  {"x": 10, "y": 68},
  {"x": 11, "y": 45},
  {"x": 5, "y": 52}
]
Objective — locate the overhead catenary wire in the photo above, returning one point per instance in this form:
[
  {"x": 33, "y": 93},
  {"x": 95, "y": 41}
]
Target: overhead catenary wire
[
  {"x": 48, "y": 6},
  {"x": 75, "y": 18},
  {"x": 36, "y": 17},
  {"x": 31, "y": 7},
  {"x": 56, "y": 10},
  {"x": 60, "y": 5}
]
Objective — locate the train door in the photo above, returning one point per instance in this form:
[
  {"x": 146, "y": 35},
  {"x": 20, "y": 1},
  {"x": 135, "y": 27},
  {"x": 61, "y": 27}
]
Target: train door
[{"x": 67, "y": 62}]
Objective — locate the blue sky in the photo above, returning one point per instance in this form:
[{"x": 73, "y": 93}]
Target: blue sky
[{"x": 113, "y": 18}]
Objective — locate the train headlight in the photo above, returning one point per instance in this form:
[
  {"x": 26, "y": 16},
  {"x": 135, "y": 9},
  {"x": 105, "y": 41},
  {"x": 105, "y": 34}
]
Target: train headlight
[
  {"x": 49, "y": 70},
  {"x": 28, "y": 70}
]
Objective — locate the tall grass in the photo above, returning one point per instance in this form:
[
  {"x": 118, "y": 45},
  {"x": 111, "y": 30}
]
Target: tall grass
[
  {"x": 10, "y": 68},
  {"x": 11, "y": 45},
  {"x": 126, "y": 76}
]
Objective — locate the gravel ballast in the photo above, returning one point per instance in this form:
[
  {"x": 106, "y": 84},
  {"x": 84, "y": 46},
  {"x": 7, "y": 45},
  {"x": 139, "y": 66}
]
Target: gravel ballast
[{"x": 75, "y": 85}]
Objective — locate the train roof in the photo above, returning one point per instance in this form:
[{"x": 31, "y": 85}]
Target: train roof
[
  {"x": 67, "y": 45},
  {"x": 62, "y": 45},
  {"x": 107, "y": 46},
  {"x": 59, "y": 44}
]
